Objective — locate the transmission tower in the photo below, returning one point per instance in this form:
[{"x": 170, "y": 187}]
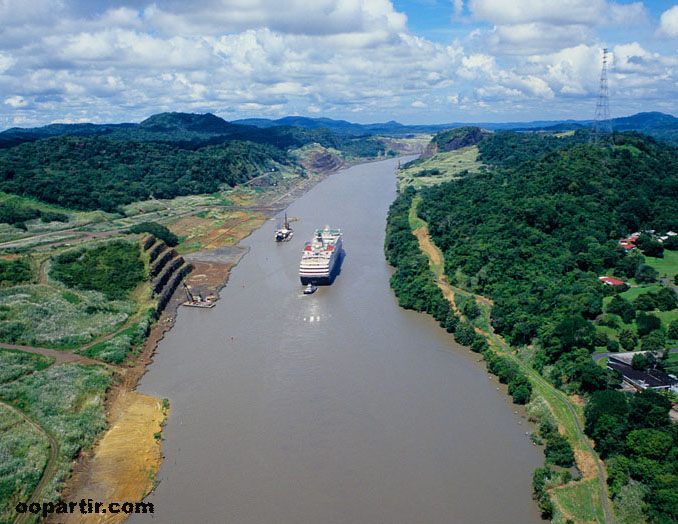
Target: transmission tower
[{"x": 602, "y": 125}]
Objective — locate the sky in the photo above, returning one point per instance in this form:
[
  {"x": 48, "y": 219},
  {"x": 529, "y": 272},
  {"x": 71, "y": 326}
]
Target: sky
[{"x": 366, "y": 61}]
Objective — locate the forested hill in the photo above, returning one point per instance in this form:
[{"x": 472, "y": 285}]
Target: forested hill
[
  {"x": 535, "y": 232},
  {"x": 96, "y": 173},
  {"x": 83, "y": 166},
  {"x": 184, "y": 130}
]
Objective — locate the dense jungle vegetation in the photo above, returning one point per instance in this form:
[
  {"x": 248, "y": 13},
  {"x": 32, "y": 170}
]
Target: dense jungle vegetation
[
  {"x": 87, "y": 167},
  {"x": 533, "y": 233},
  {"x": 97, "y": 173}
]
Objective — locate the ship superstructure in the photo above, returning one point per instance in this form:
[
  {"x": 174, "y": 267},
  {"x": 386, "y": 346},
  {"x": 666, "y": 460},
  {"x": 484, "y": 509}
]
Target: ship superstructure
[{"x": 320, "y": 256}]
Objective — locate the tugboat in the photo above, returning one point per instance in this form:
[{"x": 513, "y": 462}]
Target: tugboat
[
  {"x": 310, "y": 289},
  {"x": 284, "y": 233}
]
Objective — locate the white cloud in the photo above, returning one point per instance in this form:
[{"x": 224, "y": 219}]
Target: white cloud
[
  {"x": 292, "y": 16},
  {"x": 6, "y": 61},
  {"x": 536, "y": 37},
  {"x": 555, "y": 12},
  {"x": 16, "y": 101},
  {"x": 527, "y": 27},
  {"x": 334, "y": 57},
  {"x": 668, "y": 24}
]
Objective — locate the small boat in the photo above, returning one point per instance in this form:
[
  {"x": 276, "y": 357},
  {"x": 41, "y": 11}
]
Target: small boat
[
  {"x": 285, "y": 232},
  {"x": 310, "y": 289}
]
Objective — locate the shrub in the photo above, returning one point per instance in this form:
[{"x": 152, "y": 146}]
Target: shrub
[
  {"x": 15, "y": 271},
  {"x": 114, "y": 268},
  {"x": 158, "y": 231},
  {"x": 558, "y": 451}
]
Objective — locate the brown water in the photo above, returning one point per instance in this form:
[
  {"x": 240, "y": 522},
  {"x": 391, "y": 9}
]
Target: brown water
[{"x": 333, "y": 408}]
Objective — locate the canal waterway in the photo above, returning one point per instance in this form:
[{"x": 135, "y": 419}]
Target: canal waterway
[{"x": 337, "y": 407}]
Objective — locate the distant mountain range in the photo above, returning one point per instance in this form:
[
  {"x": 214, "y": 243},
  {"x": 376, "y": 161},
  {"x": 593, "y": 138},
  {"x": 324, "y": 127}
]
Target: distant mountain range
[
  {"x": 193, "y": 130},
  {"x": 186, "y": 130},
  {"x": 659, "y": 125},
  {"x": 342, "y": 127}
]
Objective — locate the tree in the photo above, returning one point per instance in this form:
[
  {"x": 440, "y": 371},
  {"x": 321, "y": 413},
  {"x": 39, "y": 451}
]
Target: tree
[
  {"x": 593, "y": 378},
  {"x": 629, "y": 264},
  {"x": 646, "y": 275},
  {"x": 666, "y": 299},
  {"x": 558, "y": 451},
  {"x": 642, "y": 362},
  {"x": 671, "y": 243},
  {"x": 628, "y": 339},
  {"x": 673, "y": 330},
  {"x": 612, "y": 345},
  {"x": 647, "y": 322},
  {"x": 471, "y": 309},
  {"x": 622, "y": 307},
  {"x": 635, "y": 212},
  {"x": 157, "y": 230},
  {"x": 609, "y": 402},
  {"x": 649, "y": 443},
  {"x": 650, "y": 247},
  {"x": 645, "y": 302},
  {"x": 575, "y": 331},
  {"x": 608, "y": 433},
  {"x": 521, "y": 395},
  {"x": 649, "y": 409},
  {"x": 465, "y": 333},
  {"x": 653, "y": 341}
]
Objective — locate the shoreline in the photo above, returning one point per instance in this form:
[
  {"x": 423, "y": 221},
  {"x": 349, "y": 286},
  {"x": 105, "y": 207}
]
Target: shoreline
[{"x": 118, "y": 472}]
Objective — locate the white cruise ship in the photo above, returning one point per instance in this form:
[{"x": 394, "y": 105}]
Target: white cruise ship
[{"x": 320, "y": 256}]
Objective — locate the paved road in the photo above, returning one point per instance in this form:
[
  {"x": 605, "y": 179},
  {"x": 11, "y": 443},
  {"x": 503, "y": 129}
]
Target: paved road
[{"x": 597, "y": 356}]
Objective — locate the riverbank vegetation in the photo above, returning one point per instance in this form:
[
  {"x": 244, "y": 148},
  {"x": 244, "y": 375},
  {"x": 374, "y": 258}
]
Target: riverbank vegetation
[
  {"x": 66, "y": 402},
  {"x": 533, "y": 233}
]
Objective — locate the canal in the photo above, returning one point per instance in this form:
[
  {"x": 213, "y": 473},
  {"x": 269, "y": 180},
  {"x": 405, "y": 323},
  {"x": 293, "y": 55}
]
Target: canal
[{"x": 337, "y": 407}]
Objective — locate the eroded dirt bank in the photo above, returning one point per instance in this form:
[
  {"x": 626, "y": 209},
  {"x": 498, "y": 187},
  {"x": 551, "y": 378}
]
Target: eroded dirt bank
[{"x": 124, "y": 462}]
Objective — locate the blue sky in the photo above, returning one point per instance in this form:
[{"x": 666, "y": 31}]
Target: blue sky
[{"x": 415, "y": 61}]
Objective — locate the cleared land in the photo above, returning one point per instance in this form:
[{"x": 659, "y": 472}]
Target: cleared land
[{"x": 440, "y": 168}]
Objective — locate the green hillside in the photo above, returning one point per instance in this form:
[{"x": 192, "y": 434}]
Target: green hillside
[{"x": 533, "y": 232}]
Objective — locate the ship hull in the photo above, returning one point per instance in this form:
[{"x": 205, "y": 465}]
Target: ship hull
[{"x": 318, "y": 269}]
